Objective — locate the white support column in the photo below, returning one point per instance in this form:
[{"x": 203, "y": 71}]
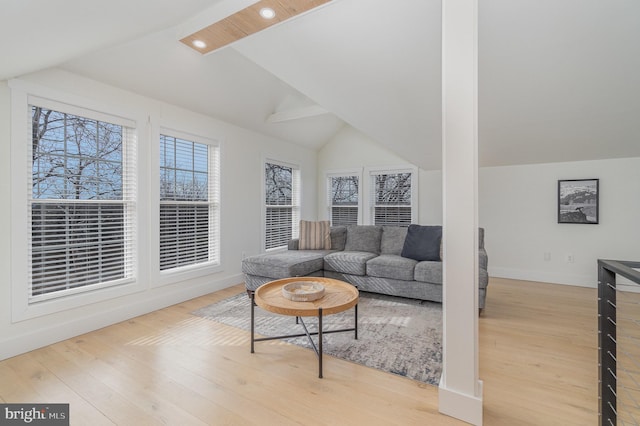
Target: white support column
[{"x": 460, "y": 393}]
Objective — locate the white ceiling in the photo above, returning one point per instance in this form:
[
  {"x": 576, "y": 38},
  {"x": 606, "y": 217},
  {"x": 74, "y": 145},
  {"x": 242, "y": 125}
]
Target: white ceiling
[
  {"x": 38, "y": 34},
  {"x": 559, "y": 80}
]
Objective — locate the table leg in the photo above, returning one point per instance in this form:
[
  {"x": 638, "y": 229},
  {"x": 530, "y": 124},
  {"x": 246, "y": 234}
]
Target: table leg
[
  {"x": 356, "y": 320},
  {"x": 252, "y": 318},
  {"x": 320, "y": 343}
]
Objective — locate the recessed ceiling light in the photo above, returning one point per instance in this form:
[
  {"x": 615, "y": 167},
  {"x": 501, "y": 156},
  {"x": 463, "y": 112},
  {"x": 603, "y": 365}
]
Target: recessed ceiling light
[
  {"x": 199, "y": 44},
  {"x": 267, "y": 13}
]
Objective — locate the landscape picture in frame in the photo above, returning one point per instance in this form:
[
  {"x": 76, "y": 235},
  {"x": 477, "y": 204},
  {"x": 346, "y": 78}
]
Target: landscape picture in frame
[{"x": 578, "y": 201}]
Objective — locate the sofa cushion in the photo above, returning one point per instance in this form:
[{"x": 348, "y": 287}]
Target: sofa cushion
[
  {"x": 428, "y": 272},
  {"x": 363, "y": 238},
  {"x": 392, "y": 239},
  {"x": 348, "y": 262},
  {"x": 338, "y": 237},
  {"x": 314, "y": 235},
  {"x": 391, "y": 266},
  {"x": 422, "y": 243},
  {"x": 290, "y": 263}
]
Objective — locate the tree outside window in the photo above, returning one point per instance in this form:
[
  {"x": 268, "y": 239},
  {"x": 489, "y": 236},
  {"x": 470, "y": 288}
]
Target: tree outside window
[
  {"x": 392, "y": 203},
  {"x": 188, "y": 208},
  {"x": 78, "y": 212},
  {"x": 344, "y": 199},
  {"x": 281, "y": 204}
]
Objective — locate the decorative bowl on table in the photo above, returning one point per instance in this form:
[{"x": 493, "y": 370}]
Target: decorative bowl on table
[{"x": 303, "y": 291}]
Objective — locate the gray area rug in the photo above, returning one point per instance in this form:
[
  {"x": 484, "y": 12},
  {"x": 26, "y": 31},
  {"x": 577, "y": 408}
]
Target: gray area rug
[{"x": 397, "y": 335}]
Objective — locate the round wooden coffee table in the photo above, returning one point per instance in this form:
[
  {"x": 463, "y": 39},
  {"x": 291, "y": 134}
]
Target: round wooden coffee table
[{"x": 338, "y": 297}]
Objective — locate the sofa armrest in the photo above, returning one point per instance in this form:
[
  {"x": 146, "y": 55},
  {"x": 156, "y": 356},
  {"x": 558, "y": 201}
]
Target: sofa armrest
[
  {"x": 293, "y": 244},
  {"x": 483, "y": 259}
]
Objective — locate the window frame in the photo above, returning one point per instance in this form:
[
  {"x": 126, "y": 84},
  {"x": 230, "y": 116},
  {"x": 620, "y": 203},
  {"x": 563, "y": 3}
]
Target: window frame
[
  {"x": 23, "y": 95},
  {"x": 329, "y": 175},
  {"x": 371, "y": 172},
  {"x": 296, "y": 186},
  {"x": 180, "y": 273}
]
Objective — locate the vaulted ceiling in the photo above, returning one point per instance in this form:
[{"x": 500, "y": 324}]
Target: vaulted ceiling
[{"x": 558, "y": 80}]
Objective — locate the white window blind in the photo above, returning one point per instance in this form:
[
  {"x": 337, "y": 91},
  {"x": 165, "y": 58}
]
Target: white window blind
[
  {"x": 81, "y": 201},
  {"x": 343, "y": 193},
  {"x": 282, "y": 204},
  {"x": 189, "y": 203},
  {"x": 391, "y": 196}
]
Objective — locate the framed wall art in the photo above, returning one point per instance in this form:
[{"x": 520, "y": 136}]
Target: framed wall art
[{"x": 578, "y": 201}]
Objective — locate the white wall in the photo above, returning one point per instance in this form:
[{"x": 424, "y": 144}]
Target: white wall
[
  {"x": 242, "y": 152},
  {"x": 350, "y": 149},
  {"x": 518, "y": 208}
]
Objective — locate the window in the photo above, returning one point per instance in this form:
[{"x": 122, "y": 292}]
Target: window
[
  {"x": 81, "y": 195},
  {"x": 282, "y": 206},
  {"x": 344, "y": 197},
  {"x": 189, "y": 205},
  {"x": 392, "y": 199}
]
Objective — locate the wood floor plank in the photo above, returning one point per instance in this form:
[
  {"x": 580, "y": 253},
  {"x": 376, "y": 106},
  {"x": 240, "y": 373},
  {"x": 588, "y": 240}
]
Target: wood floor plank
[
  {"x": 134, "y": 385},
  {"x": 538, "y": 354},
  {"x": 79, "y": 378},
  {"x": 538, "y": 361},
  {"x": 48, "y": 388}
]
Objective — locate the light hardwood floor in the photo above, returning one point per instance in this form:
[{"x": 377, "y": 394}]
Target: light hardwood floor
[{"x": 538, "y": 360}]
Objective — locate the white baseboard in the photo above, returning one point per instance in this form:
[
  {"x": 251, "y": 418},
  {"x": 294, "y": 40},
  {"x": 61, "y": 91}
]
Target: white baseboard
[
  {"x": 148, "y": 303},
  {"x": 580, "y": 280},
  {"x": 465, "y": 407}
]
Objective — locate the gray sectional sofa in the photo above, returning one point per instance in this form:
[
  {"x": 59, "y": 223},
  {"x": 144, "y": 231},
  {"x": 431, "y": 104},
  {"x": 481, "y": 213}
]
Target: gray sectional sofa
[{"x": 369, "y": 257}]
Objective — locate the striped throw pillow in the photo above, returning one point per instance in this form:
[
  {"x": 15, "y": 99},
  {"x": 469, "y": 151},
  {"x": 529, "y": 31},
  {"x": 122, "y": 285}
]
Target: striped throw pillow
[{"x": 315, "y": 235}]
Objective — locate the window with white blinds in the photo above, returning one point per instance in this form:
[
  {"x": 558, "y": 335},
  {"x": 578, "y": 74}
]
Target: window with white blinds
[
  {"x": 189, "y": 203},
  {"x": 282, "y": 204},
  {"x": 391, "y": 198},
  {"x": 81, "y": 201},
  {"x": 344, "y": 196}
]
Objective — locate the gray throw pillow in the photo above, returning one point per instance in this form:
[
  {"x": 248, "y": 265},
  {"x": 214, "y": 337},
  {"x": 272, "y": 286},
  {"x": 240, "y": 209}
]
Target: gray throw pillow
[
  {"x": 422, "y": 243},
  {"x": 392, "y": 240},
  {"x": 363, "y": 238},
  {"x": 338, "y": 237}
]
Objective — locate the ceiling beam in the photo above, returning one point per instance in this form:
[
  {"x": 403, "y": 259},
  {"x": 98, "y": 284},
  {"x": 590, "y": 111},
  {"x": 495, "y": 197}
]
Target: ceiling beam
[
  {"x": 296, "y": 113},
  {"x": 246, "y": 22}
]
